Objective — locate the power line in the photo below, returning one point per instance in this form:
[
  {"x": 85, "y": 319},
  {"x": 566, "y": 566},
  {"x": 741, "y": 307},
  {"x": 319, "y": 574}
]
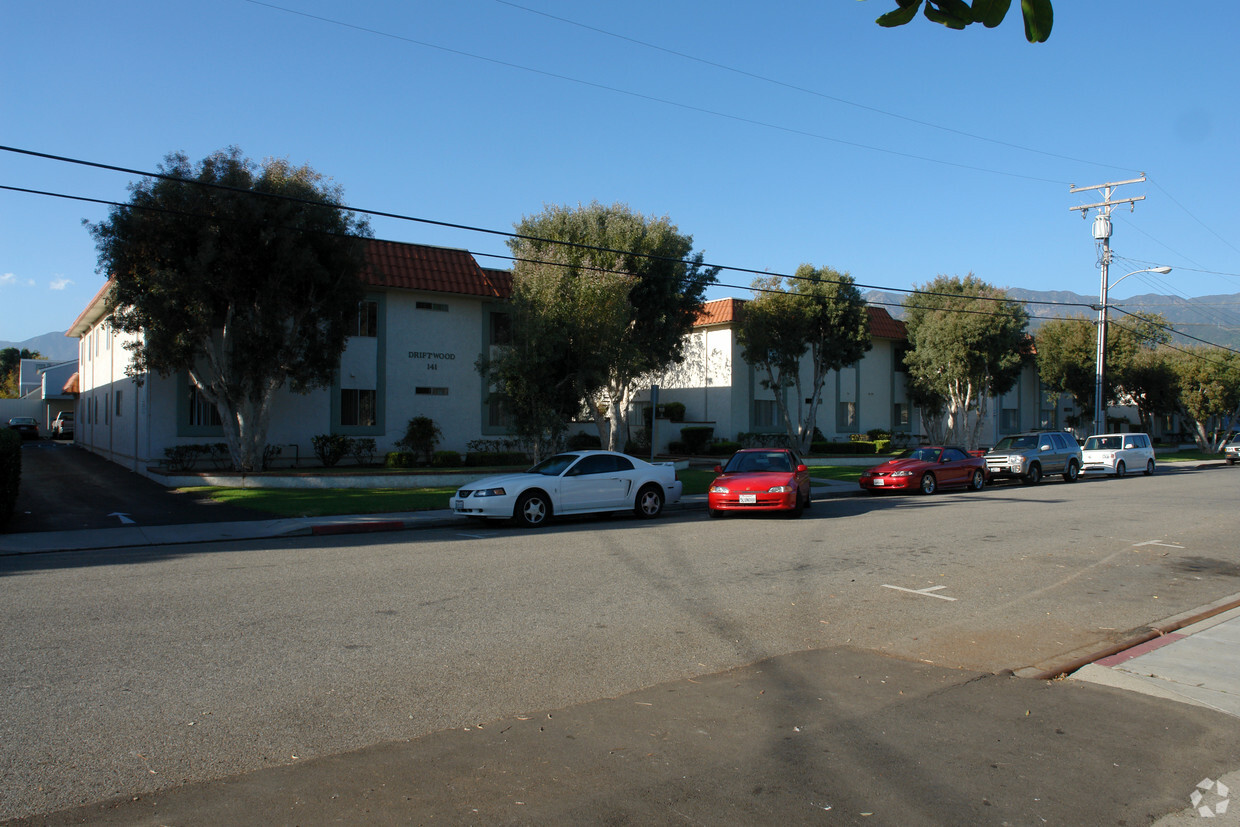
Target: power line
[
  {"x": 805, "y": 90},
  {"x": 652, "y": 98}
]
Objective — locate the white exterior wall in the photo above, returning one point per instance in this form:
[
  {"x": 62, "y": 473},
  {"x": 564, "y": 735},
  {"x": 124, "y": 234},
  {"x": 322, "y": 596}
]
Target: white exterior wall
[{"x": 110, "y": 405}]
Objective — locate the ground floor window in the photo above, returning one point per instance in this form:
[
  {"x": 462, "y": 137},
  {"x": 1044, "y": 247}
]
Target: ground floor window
[
  {"x": 202, "y": 413},
  {"x": 1009, "y": 421},
  {"x": 765, "y": 414},
  {"x": 357, "y": 406},
  {"x": 901, "y": 416},
  {"x": 846, "y": 417},
  {"x": 497, "y": 411}
]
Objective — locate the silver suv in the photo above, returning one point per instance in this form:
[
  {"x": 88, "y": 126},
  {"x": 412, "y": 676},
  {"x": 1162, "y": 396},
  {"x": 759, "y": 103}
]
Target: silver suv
[{"x": 1032, "y": 456}]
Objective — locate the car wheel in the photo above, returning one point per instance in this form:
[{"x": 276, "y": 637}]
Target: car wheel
[
  {"x": 716, "y": 513},
  {"x": 1073, "y": 471},
  {"x": 1120, "y": 468},
  {"x": 799, "y": 508},
  {"x": 978, "y": 481},
  {"x": 928, "y": 483},
  {"x": 649, "y": 502},
  {"x": 1033, "y": 476},
  {"x": 533, "y": 509},
  {"x": 1149, "y": 467},
  {"x": 1231, "y": 461}
]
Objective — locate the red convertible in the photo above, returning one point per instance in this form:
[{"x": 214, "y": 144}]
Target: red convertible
[
  {"x": 927, "y": 469},
  {"x": 760, "y": 479}
]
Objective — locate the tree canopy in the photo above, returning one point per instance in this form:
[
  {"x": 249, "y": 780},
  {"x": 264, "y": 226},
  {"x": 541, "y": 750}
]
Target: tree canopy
[
  {"x": 958, "y": 14},
  {"x": 1209, "y": 393},
  {"x": 967, "y": 343},
  {"x": 602, "y": 297},
  {"x": 10, "y": 370},
  {"x": 818, "y": 312},
  {"x": 242, "y": 275}
]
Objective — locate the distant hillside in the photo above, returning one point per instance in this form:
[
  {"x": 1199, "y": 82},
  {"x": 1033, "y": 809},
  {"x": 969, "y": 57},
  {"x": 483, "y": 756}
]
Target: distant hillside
[
  {"x": 1216, "y": 319},
  {"x": 53, "y": 345}
]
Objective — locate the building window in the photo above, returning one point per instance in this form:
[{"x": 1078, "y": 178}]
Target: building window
[
  {"x": 765, "y": 413},
  {"x": 367, "y": 319},
  {"x": 436, "y": 306},
  {"x": 846, "y": 417},
  {"x": 118, "y": 403},
  {"x": 357, "y": 407},
  {"x": 900, "y": 417},
  {"x": 498, "y": 415},
  {"x": 202, "y": 414},
  {"x": 898, "y": 364},
  {"x": 501, "y": 329},
  {"x": 424, "y": 391},
  {"x": 1009, "y": 421}
]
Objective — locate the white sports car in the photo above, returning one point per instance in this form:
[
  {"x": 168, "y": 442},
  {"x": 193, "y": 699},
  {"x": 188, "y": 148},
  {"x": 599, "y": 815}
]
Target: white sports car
[{"x": 575, "y": 482}]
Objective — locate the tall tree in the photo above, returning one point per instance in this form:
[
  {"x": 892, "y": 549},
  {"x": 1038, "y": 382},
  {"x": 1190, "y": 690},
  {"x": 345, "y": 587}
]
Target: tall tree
[
  {"x": 968, "y": 340},
  {"x": 562, "y": 321},
  {"x": 957, "y": 14},
  {"x": 1066, "y": 351},
  {"x": 245, "y": 276},
  {"x": 10, "y": 370},
  {"x": 666, "y": 284},
  {"x": 1209, "y": 382},
  {"x": 818, "y": 312}
]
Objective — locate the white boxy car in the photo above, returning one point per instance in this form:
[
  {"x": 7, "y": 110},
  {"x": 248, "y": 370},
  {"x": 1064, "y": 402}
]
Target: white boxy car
[
  {"x": 574, "y": 482},
  {"x": 1117, "y": 454}
]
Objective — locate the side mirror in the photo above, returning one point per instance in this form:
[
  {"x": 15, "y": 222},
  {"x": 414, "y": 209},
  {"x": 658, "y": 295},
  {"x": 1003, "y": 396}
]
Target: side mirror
[
  {"x": 801, "y": 468},
  {"x": 718, "y": 469}
]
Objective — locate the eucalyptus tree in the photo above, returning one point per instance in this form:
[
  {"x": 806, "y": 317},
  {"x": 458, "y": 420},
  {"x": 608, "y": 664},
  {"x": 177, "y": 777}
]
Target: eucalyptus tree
[
  {"x": 242, "y": 275},
  {"x": 819, "y": 314},
  {"x": 612, "y": 251},
  {"x": 958, "y": 14},
  {"x": 1209, "y": 393},
  {"x": 968, "y": 344}
]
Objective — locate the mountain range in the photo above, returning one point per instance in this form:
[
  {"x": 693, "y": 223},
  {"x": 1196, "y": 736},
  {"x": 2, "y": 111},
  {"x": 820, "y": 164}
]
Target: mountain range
[{"x": 1214, "y": 319}]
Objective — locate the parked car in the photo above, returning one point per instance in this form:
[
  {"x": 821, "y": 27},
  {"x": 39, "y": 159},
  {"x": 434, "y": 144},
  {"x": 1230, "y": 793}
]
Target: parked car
[
  {"x": 1231, "y": 451},
  {"x": 27, "y": 426},
  {"x": 760, "y": 479},
  {"x": 1031, "y": 456},
  {"x": 1117, "y": 454},
  {"x": 62, "y": 426},
  {"x": 927, "y": 469},
  {"x": 574, "y": 482}
]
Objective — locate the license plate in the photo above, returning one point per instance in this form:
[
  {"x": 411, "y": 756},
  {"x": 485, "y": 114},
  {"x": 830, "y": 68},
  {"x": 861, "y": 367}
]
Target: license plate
[
  {"x": 458, "y": 504},
  {"x": 749, "y": 499},
  {"x": 879, "y": 481}
]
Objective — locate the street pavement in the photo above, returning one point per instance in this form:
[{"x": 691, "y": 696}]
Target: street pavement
[{"x": 807, "y": 737}]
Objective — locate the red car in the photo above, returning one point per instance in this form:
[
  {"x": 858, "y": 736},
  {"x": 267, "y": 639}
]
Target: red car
[
  {"x": 760, "y": 479},
  {"x": 927, "y": 469}
]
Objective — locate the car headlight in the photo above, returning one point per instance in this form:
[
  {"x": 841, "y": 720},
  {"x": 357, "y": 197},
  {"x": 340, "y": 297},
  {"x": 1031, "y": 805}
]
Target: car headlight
[
  {"x": 718, "y": 489},
  {"x": 489, "y": 492},
  {"x": 780, "y": 489},
  {"x": 902, "y": 473},
  {"x": 1016, "y": 462}
]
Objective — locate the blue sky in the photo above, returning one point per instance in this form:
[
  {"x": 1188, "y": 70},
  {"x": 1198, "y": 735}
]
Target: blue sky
[{"x": 777, "y": 133}]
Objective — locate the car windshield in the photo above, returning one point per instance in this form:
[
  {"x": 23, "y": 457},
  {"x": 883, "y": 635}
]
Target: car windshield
[
  {"x": 1016, "y": 443},
  {"x": 553, "y": 466},
  {"x": 1102, "y": 443},
  {"x": 921, "y": 454},
  {"x": 758, "y": 462},
  {"x": 21, "y": 420}
]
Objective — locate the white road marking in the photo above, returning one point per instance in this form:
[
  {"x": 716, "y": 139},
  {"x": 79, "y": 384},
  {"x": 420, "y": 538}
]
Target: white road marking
[
  {"x": 1157, "y": 543},
  {"x": 928, "y": 592},
  {"x": 124, "y": 518}
]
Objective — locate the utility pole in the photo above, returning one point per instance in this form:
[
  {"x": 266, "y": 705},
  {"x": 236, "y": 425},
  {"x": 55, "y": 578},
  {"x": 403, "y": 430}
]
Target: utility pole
[{"x": 1102, "y": 234}]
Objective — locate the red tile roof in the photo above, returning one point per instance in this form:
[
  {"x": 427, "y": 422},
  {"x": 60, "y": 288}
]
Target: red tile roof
[
  {"x": 434, "y": 269},
  {"x": 726, "y": 311}
]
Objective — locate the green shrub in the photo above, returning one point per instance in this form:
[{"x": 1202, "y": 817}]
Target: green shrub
[
  {"x": 696, "y": 438},
  {"x": 421, "y": 437},
  {"x": 722, "y": 448},
  {"x": 675, "y": 411},
  {"x": 875, "y": 434},
  {"x": 399, "y": 459},
  {"x": 582, "y": 441},
  {"x": 330, "y": 448},
  {"x": 362, "y": 450},
  {"x": 446, "y": 459},
  {"x": 184, "y": 457},
  {"x": 475, "y": 459},
  {"x": 10, "y": 472},
  {"x": 882, "y": 446}
]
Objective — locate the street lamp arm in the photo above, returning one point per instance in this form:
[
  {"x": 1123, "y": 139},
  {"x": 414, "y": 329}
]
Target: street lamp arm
[{"x": 1160, "y": 270}]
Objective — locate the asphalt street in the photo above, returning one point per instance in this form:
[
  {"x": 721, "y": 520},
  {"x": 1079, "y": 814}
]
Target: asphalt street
[{"x": 150, "y": 672}]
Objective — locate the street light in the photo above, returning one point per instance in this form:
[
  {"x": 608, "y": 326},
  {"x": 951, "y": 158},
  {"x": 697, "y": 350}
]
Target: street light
[{"x": 1099, "y": 399}]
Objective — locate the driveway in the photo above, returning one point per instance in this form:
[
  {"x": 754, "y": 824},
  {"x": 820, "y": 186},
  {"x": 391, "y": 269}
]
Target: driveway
[{"x": 65, "y": 488}]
